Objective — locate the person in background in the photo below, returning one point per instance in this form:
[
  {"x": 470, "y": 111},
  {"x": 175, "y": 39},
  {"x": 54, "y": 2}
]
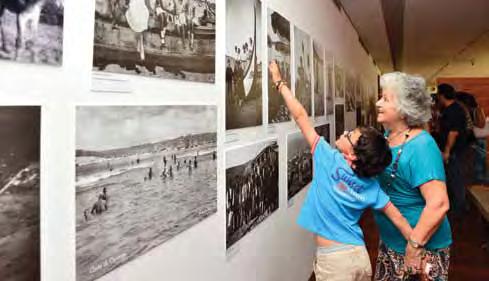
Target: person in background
[
  {"x": 475, "y": 154},
  {"x": 453, "y": 143},
  {"x": 481, "y": 135},
  {"x": 415, "y": 182}
]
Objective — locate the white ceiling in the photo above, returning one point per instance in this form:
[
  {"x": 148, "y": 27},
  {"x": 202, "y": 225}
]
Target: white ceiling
[{"x": 435, "y": 32}]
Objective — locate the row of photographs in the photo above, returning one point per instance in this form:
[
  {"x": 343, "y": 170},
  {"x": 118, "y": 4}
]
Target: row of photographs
[
  {"x": 140, "y": 181},
  {"x": 176, "y": 39},
  {"x": 172, "y": 39},
  {"x": 316, "y": 82}
]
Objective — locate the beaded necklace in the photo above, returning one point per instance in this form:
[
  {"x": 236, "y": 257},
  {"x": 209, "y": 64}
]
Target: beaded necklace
[{"x": 395, "y": 166}]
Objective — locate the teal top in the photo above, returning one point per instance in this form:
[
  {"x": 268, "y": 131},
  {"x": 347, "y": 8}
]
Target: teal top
[{"x": 420, "y": 162}]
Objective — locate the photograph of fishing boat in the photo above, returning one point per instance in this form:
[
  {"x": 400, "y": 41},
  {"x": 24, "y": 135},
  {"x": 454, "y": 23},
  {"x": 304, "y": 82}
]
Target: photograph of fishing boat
[
  {"x": 243, "y": 64},
  {"x": 141, "y": 179},
  {"x": 172, "y": 39}
]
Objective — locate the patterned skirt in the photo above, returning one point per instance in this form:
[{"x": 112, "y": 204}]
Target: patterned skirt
[{"x": 390, "y": 265}]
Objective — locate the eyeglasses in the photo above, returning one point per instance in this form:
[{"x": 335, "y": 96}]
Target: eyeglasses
[{"x": 347, "y": 135}]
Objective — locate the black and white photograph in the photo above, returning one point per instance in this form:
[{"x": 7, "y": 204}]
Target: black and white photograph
[
  {"x": 243, "y": 64},
  {"x": 251, "y": 188},
  {"x": 371, "y": 108},
  {"x": 278, "y": 42},
  {"x": 339, "y": 82},
  {"x": 318, "y": 64},
  {"x": 330, "y": 89},
  {"x": 339, "y": 118},
  {"x": 350, "y": 91},
  {"x": 170, "y": 39},
  {"x": 324, "y": 131},
  {"x": 299, "y": 164},
  {"x": 362, "y": 101},
  {"x": 303, "y": 69},
  {"x": 20, "y": 130},
  {"x": 144, "y": 174},
  {"x": 32, "y": 31},
  {"x": 359, "y": 116}
]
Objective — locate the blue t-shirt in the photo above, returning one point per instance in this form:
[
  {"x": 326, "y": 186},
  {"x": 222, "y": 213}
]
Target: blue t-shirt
[
  {"x": 420, "y": 162},
  {"x": 337, "y": 197}
]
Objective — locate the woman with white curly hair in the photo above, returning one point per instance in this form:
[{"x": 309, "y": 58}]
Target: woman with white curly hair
[{"x": 415, "y": 182}]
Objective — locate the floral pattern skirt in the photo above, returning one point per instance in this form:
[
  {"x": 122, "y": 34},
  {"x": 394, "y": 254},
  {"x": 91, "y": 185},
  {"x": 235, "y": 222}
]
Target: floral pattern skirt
[{"x": 390, "y": 265}]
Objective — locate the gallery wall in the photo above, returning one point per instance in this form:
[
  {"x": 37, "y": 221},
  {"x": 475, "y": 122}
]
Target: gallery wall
[{"x": 277, "y": 249}]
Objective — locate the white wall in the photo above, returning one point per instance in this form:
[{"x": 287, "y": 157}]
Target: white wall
[{"x": 276, "y": 250}]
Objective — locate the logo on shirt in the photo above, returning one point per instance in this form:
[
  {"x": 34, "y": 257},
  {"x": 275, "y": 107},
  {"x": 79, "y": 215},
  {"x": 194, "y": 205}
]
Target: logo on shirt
[{"x": 347, "y": 183}]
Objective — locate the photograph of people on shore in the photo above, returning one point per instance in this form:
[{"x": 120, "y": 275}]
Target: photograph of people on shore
[
  {"x": 324, "y": 131},
  {"x": 144, "y": 174},
  {"x": 339, "y": 81},
  {"x": 172, "y": 39},
  {"x": 339, "y": 118},
  {"x": 299, "y": 164},
  {"x": 251, "y": 188},
  {"x": 318, "y": 64},
  {"x": 350, "y": 91},
  {"x": 20, "y": 131},
  {"x": 32, "y": 31},
  {"x": 278, "y": 42},
  {"x": 303, "y": 69},
  {"x": 243, "y": 64},
  {"x": 330, "y": 89}
]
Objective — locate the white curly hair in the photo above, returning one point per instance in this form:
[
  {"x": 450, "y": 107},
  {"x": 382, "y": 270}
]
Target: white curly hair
[{"x": 413, "y": 101}]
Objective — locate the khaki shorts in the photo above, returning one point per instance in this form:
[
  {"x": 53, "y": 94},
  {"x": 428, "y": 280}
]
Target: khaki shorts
[{"x": 342, "y": 263}]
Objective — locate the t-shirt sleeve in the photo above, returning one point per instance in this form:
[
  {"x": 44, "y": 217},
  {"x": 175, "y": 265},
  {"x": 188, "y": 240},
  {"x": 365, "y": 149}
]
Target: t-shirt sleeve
[
  {"x": 382, "y": 199},
  {"x": 426, "y": 164},
  {"x": 322, "y": 151}
]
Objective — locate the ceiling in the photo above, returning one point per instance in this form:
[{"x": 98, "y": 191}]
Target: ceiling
[{"x": 420, "y": 36}]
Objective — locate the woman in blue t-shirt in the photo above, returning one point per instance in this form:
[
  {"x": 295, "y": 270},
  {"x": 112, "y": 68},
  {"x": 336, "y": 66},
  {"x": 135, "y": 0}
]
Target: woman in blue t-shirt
[{"x": 415, "y": 182}]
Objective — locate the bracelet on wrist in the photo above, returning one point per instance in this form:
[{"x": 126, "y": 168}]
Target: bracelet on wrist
[
  {"x": 415, "y": 244},
  {"x": 279, "y": 84}
]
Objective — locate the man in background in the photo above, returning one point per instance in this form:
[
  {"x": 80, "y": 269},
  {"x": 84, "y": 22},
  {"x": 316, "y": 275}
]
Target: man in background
[{"x": 453, "y": 143}]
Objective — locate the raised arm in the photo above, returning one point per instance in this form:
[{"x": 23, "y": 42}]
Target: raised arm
[{"x": 294, "y": 106}]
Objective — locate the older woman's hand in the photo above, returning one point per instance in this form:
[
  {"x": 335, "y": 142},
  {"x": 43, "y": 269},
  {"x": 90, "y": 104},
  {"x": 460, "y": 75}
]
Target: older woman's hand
[
  {"x": 274, "y": 71},
  {"x": 413, "y": 259}
]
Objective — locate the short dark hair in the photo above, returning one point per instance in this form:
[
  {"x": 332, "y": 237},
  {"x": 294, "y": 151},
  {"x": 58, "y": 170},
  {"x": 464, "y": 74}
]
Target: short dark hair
[
  {"x": 372, "y": 152},
  {"x": 447, "y": 91}
]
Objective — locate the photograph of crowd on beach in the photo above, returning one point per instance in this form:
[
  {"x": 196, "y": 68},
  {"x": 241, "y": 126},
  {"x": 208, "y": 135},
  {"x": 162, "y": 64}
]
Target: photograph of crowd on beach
[{"x": 144, "y": 174}]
